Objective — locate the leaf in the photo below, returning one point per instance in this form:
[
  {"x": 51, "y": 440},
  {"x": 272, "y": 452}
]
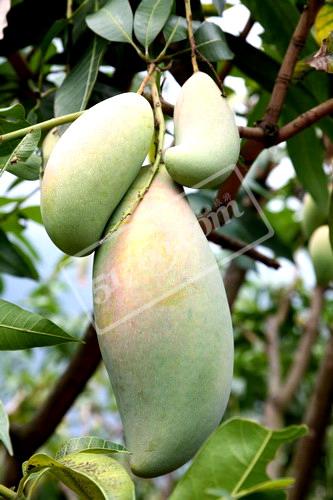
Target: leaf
[
  {"x": 114, "y": 21},
  {"x": 211, "y": 42},
  {"x": 234, "y": 459},
  {"x": 13, "y": 261},
  {"x": 90, "y": 476},
  {"x": 322, "y": 60},
  {"x": 91, "y": 444},
  {"x": 149, "y": 19},
  {"x": 74, "y": 93},
  {"x": 24, "y": 162},
  {"x": 21, "y": 329},
  {"x": 32, "y": 213},
  {"x": 4, "y": 429},
  {"x": 307, "y": 156},
  {"x": 175, "y": 29},
  {"x": 324, "y": 23},
  {"x": 219, "y": 4}
]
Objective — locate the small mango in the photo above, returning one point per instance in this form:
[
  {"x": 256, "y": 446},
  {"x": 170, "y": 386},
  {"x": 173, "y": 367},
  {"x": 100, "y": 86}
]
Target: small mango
[
  {"x": 312, "y": 216},
  {"x": 50, "y": 140},
  {"x": 90, "y": 169},
  {"x": 164, "y": 329},
  {"x": 322, "y": 255},
  {"x": 207, "y": 141}
]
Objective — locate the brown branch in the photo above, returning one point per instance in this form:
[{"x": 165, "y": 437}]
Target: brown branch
[
  {"x": 318, "y": 417},
  {"x": 188, "y": 12},
  {"x": 230, "y": 243},
  {"x": 228, "y": 65},
  {"x": 233, "y": 279},
  {"x": 28, "y": 438},
  {"x": 303, "y": 352},
  {"x": 284, "y": 76}
]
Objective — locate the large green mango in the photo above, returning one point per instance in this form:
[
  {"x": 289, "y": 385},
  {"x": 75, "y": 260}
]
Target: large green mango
[
  {"x": 90, "y": 169},
  {"x": 322, "y": 255},
  {"x": 206, "y": 136},
  {"x": 164, "y": 329},
  {"x": 312, "y": 216}
]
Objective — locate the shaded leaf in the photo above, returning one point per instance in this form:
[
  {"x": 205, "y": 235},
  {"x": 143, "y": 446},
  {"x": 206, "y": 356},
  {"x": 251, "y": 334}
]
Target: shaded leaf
[
  {"x": 219, "y": 4},
  {"x": 32, "y": 213},
  {"x": 114, "y": 21},
  {"x": 89, "y": 444},
  {"x": 234, "y": 459},
  {"x": 175, "y": 29},
  {"x": 21, "y": 329},
  {"x": 13, "y": 261},
  {"x": 211, "y": 42},
  {"x": 4, "y": 429},
  {"x": 74, "y": 93},
  {"x": 149, "y": 19},
  {"x": 97, "y": 477}
]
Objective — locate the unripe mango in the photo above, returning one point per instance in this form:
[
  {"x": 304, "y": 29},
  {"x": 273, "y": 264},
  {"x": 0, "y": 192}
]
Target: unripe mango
[
  {"x": 322, "y": 255},
  {"x": 51, "y": 139},
  {"x": 312, "y": 216},
  {"x": 164, "y": 330},
  {"x": 91, "y": 168},
  {"x": 206, "y": 136}
]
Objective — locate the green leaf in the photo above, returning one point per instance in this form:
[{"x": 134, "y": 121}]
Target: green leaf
[
  {"x": 13, "y": 260},
  {"x": 149, "y": 19},
  {"x": 74, "y": 93},
  {"x": 32, "y": 213},
  {"x": 175, "y": 29},
  {"x": 21, "y": 329},
  {"x": 114, "y": 21},
  {"x": 234, "y": 459},
  {"x": 12, "y": 114},
  {"x": 90, "y": 476},
  {"x": 89, "y": 444},
  {"x": 24, "y": 162},
  {"x": 324, "y": 23},
  {"x": 4, "y": 429},
  {"x": 211, "y": 42},
  {"x": 307, "y": 155}
]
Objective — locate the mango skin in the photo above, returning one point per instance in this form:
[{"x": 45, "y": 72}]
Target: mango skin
[
  {"x": 312, "y": 216},
  {"x": 164, "y": 330},
  {"x": 207, "y": 141},
  {"x": 90, "y": 169},
  {"x": 322, "y": 255}
]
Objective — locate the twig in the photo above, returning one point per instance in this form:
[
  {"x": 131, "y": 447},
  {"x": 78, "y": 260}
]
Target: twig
[
  {"x": 6, "y": 492},
  {"x": 188, "y": 12},
  {"x": 228, "y": 65},
  {"x": 318, "y": 417},
  {"x": 230, "y": 243},
  {"x": 303, "y": 351},
  {"x": 145, "y": 81},
  {"x": 29, "y": 437},
  {"x": 40, "y": 126},
  {"x": 284, "y": 76},
  {"x": 233, "y": 279}
]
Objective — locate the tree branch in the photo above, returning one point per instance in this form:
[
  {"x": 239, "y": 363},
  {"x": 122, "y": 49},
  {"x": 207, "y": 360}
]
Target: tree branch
[
  {"x": 283, "y": 79},
  {"x": 230, "y": 243},
  {"x": 28, "y": 438},
  {"x": 318, "y": 417},
  {"x": 303, "y": 352},
  {"x": 233, "y": 279}
]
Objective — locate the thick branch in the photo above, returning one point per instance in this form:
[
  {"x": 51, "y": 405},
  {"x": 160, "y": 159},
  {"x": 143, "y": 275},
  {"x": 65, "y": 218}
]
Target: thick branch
[
  {"x": 233, "y": 244},
  {"x": 318, "y": 417},
  {"x": 295, "y": 46},
  {"x": 304, "y": 349},
  {"x": 28, "y": 438}
]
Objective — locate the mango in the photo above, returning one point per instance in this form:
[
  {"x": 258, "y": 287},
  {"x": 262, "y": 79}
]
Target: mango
[
  {"x": 164, "y": 329},
  {"x": 322, "y": 255},
  {"x": 90, "y": 169},
  {"x": 312, "y": 216},
  {"x": 50, "y": 140},
  {"x": 206, "y": 136}
]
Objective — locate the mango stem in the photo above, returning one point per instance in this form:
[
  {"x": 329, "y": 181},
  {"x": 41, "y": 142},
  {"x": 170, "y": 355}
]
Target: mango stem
[{"x": 188, "y": 12}]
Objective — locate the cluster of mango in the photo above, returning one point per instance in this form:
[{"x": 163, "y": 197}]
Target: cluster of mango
[{"x": 160, "y": 306}]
